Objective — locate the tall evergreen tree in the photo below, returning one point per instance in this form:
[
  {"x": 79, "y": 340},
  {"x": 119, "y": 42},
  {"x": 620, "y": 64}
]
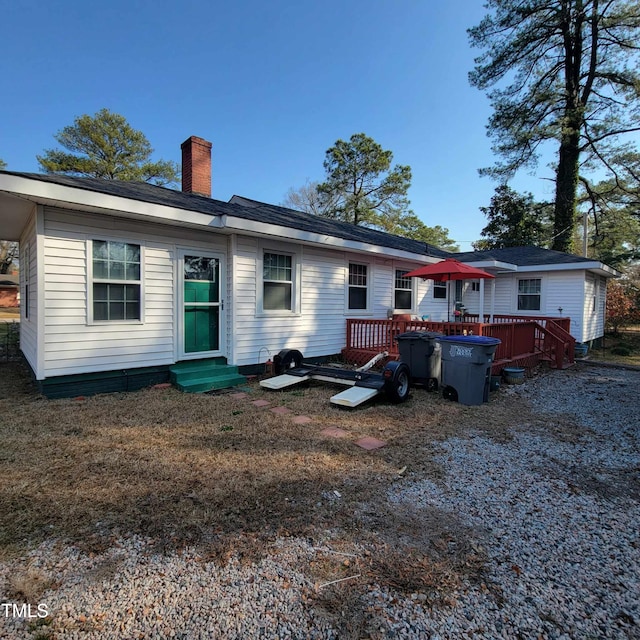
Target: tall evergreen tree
[
  {"x": 514, "y": 220},
  {"x": 361, "y": 182},
  {"x": 107, "y": 146},
  {"x": 362, "y": 188},
  {"x": 572, "y": 80}
]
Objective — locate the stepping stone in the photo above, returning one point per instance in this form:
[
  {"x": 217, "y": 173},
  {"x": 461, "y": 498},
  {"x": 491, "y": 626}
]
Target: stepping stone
[
  {"x": 281, "y": 410},
  {"x": 162, "y": 385},
  {"x": 260, "y": 403},
  {"x": 334, "y": 432},
  {"x": 302, "y": 419},
  {"x": 238, "y": 396},
  {"x": 369, "y": 443}
]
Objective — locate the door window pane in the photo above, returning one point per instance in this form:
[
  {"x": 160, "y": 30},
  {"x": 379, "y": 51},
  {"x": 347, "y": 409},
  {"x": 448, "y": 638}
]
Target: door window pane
[{"x": 200, "y": 268}]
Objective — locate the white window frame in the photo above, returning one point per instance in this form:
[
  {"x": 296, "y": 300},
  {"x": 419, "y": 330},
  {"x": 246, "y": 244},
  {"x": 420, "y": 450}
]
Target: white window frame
[
  {"x": 441, "y": 285},
  {"x": 91, "y": 281},
  {"x": 518, "y": 294},
  {"x": 412, "y": 289},
  {"x": 296, "y": 275},
  {"x": 367, "y": 287}
]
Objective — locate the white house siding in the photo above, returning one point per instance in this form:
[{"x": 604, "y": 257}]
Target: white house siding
[
  {"x": 435, "y": 308},
  {"x": 29, "y": 273},
  {"x": 602, "y": 309},
  {"x": 559, "y": 289},
  {"x": 72, "y": 345},
  {"x": 318, "y": 328},
  {"x": 595, "y": 291},
  {"x": 382, "y": 279}
]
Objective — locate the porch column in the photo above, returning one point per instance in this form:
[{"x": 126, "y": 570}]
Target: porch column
[
  {"x": 481, "y": 303},
  {"x": 493, "y": 299}
]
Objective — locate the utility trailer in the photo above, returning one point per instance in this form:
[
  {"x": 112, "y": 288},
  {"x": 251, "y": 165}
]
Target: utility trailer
[{"x": 394, "y": 380}]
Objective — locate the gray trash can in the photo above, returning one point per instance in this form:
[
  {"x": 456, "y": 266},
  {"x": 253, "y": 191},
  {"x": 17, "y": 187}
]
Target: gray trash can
[
  {"x": 421, "y": 351},
  {"x": 466, "y": 368}
]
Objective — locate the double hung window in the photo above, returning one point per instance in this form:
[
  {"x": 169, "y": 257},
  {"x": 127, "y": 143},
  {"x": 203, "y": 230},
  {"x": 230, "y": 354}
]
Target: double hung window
[
  {"x": 277, "y": 280},
  {"x": 403, "y": 290},
  {"x": 358, "y": 282},
  {"x": 440, "y": 290},
  {"x": 529, "y": 294},
  {"x": 116, "y": 281}
]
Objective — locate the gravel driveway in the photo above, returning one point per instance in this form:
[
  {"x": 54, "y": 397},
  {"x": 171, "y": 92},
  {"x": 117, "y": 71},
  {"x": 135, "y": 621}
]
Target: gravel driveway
[{"x": 554, "y": 510}]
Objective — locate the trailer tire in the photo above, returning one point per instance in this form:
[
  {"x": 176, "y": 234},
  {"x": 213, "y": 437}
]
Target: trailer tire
[
  {"x": 287, "y": 359},
  {"x": 449, "y": 393},
  {"x": 397, "y": 381}
]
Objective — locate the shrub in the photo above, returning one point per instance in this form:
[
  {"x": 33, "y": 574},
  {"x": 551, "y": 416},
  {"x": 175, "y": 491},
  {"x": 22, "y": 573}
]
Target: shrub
[{"x": 621, "y": 351}]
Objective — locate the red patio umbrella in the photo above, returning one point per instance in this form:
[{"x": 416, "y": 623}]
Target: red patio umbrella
[{"x": 447, "y": 270}]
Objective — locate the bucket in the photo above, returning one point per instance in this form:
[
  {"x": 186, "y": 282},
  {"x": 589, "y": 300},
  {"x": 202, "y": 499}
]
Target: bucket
[
  {"x": 580, "y": 350},
  {"x": 513, "y": 375}
]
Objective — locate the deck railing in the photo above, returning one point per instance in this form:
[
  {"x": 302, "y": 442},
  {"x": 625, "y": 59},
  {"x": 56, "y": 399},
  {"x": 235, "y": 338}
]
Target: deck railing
[
  {"x": 379, "y": 335},
  {"x": 520, "y": 337},
  {"x": 500, "y": 318}
]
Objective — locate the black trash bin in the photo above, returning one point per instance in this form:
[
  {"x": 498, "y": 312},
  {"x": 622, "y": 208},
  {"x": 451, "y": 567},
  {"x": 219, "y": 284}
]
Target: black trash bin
[
  {"x": 466, "y": 368},
  {"x": 421, "y": 351}
]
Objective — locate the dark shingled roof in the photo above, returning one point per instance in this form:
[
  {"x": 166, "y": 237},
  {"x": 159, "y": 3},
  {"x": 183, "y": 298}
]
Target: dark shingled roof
[
  {"x": 239, "y": 207},
  {"x": 282, "y": 216},
  {"x": 523, "y": 256},
  {"x": 253, "y": 210}
]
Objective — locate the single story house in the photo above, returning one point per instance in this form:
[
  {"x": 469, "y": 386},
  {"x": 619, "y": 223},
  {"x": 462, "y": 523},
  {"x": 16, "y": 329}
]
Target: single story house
[
  {"x": 121, "y": 281},
  {"x": 9, "y": 290}
]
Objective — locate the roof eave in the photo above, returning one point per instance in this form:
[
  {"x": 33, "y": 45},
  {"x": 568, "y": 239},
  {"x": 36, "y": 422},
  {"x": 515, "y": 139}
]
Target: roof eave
[
  {"x": 497, "y": 265},
  {"x": 252, "y": 227},
  {"x": 594, "y": 266},
  {"x": 51, "y": 194}
]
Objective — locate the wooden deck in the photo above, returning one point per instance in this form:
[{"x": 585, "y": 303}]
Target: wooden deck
[{"x": 524, "y": 341}]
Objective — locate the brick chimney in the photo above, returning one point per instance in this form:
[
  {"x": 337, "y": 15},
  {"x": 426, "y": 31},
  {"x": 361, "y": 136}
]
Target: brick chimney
[{"x": 196, "y": 166}]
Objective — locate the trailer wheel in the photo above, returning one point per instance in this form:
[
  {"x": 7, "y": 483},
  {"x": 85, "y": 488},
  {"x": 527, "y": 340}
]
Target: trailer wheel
[
  {"x": 287, "y": 359},
  {"x": 397, "y": 378},
  {"x": 449, "y": 393}
]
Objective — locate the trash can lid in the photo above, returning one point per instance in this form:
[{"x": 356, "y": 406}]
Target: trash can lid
[
  {"x": 419, "y": 335},
  {"x": 486, "y": 341}
]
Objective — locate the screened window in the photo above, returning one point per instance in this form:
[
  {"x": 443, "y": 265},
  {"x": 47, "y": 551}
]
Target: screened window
[
  {"x": 358, "y": 286},
  {"x": 529, "y": 294},
  {"x": 277, "y": 279},
  {"x": 402, "y": 290},
  {"x": 116, "y": 281},
  {"x": 440, "y": 289}
]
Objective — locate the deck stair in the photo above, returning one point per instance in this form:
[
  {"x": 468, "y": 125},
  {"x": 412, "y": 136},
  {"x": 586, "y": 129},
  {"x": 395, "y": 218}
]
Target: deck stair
[{"x": 200, "y": 376}]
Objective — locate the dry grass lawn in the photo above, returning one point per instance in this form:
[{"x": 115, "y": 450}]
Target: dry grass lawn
[
  {"x": 215, "y": 471},
  {"x": 621, "y": 348}
]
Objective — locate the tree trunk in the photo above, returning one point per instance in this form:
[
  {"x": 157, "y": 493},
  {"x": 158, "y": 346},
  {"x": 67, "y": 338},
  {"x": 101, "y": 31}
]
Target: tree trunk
[{"x": 567, "y": 186}]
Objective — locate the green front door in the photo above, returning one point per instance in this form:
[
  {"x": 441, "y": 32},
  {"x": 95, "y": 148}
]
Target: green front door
[{"x": 202, "y": 304}]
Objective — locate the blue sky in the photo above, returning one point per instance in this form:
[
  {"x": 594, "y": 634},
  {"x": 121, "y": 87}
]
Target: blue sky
[{"x": 271, "y": 84}]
